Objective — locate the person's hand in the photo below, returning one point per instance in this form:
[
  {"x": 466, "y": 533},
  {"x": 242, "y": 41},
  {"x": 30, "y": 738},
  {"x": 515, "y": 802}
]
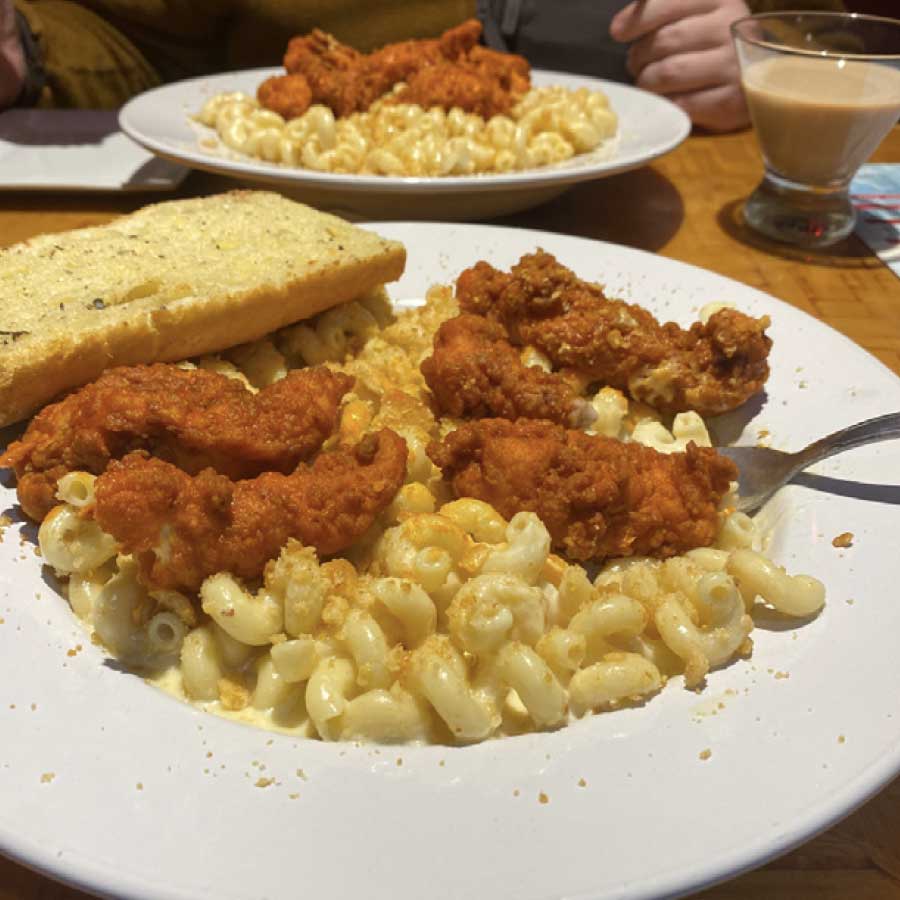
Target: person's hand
[
  {"x": 12, "y": 56},
  {"x": 683, "y": 49}
]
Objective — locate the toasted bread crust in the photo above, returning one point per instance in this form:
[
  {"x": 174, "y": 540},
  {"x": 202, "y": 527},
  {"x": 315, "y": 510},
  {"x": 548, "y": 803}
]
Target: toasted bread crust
[{"x": 173, "y": 280}]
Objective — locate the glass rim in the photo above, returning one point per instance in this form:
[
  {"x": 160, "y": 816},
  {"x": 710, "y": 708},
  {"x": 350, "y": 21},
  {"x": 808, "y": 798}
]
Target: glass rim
[{"x": 818, "y": 14}]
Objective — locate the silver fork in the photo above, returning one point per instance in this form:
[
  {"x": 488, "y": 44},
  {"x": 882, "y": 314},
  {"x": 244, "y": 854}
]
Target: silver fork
[{"x": 763, "y": 470}]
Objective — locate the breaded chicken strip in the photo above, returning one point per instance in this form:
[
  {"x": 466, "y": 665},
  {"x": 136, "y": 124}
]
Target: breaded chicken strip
[
  {"x": 461, "y": 40},
  {"x": 455, "y": 72},
  {"x": 709, "y": 368},
  {"x": 510, "y": 72},
  {"x": 597, "y": 496},
  {"x": 397, "y": 62},
  {"x": 190, "y": 417},
  {"x": 184, "y": 528},
  {"x": 333, "y": 71},
  {"x": 456, "y": 85},
  {"x": 474, "y": 372},
  {"x": 450, "y": 71},
  {"x": 288, "y": 95}
]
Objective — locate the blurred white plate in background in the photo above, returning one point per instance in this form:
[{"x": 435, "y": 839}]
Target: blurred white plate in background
[
  {"x": 114, "y": 786},
  {"x": 161, "y": 120},
  {"x": 77, "y": 150}
]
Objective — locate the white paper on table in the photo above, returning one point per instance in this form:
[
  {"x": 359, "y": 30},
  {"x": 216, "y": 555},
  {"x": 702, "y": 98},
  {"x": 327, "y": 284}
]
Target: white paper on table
[
  {"x": 875, "y": 192},
  {"x": 71, "y": 149}
]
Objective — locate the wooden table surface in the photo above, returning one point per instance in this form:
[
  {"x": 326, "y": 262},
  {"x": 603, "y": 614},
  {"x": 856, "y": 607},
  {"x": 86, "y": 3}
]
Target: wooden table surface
[{"x": 685, "y": 206}]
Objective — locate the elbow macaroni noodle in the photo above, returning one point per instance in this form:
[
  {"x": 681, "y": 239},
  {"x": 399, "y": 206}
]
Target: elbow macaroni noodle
[
  {"x": 450, "y": 630},
  {"x": 449, "y": 623},
  {"x": 548, "y": 125}
]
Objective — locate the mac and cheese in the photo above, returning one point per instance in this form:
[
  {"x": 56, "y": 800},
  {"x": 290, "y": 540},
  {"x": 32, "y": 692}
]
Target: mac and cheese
[
  {"x": 448, "y": 631},
  {"x": 549, "y": 125},
  {"x": 446, "y": 623}
]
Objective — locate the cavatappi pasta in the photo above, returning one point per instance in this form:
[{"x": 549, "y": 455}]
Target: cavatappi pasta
[
  {"x": 447, "y": 623},
  {"x": 453, "y": 626},
  {"x": 548, "y": 125}
]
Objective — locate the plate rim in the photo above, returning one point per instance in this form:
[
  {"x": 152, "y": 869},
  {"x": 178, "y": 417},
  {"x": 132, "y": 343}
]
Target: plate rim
[
  {"x": 853, "y": 793},
  {"x": 525, "y": 180}
]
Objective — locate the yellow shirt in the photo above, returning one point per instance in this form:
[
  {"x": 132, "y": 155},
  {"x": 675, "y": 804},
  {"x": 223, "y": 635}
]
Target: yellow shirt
[{"x": 98, "y": 53}]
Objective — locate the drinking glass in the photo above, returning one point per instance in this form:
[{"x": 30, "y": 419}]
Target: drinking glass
[{"x": 823, "y": 90}]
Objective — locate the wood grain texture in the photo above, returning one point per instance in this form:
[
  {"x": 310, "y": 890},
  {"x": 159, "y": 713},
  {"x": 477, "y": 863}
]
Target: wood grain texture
[{"x": 685, "y": 206}]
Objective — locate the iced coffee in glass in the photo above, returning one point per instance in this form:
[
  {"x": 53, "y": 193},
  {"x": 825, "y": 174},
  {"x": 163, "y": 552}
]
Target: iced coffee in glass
[{"x": 823, "y": 90}]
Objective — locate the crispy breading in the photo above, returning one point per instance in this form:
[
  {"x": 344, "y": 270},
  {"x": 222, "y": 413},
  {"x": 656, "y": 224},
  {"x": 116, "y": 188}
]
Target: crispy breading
[
  {"x": 183, "y": 528},
  {"x": 597, "y": 496},
  {"x": 474, "y": 372},
  {"x": 710, "y": 368},
  {"x": 397, "y": 62},
  {"x": 461, "y": 40},
  {"x": 190, "y": 417},
  {"x": 288, "y": 95},
  {"x": 510, "y": 72},
  {"x": 333, "y": 71},
  {"x": 456, "y": 85},
  {"x": 455, "y": 72},
  {"x": 451, "y": 71}
]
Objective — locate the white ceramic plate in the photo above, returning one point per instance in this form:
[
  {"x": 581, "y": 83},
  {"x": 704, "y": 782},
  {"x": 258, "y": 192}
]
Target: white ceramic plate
[
  {"x": 152, "y": 799},
  {"x": 649, "y": 126},
  {"x": 77, "y": 150}
]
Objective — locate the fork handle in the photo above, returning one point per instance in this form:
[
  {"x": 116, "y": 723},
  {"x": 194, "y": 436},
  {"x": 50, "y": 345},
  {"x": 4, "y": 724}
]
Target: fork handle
[{"x": 881, "y": 428}]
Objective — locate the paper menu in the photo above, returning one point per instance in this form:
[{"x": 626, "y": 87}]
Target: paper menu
[
  {"x": 875, "y": 192},
  {"x": 77, "y": 150}
]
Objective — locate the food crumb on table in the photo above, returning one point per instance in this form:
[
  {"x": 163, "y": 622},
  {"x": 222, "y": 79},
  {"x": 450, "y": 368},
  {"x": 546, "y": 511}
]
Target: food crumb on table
[{"x": 843, "y": 540}]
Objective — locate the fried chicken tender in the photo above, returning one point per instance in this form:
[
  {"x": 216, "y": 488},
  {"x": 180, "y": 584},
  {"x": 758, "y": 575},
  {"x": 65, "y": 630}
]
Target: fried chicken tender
[
  {"x": 288, "y": 95},
  {"x": 183, "y": 528},
  {"x": 467, "y": 76},
  {"x": 511, "y": 72},
  {"x": 397, "y": 62},
  {"x": 190, "y": 417},
  {"x": 709, "y": 368},
  {"x": 319, "y": 49},
  {"x": 451, "y": 71},
  {"x": 453, "y": 84},
  {"x": 597, "y": 496},
  {"x": 333, "y": 71},
  {"x": 474, "y": 372},
  {"x": 460, "y": 40}
]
